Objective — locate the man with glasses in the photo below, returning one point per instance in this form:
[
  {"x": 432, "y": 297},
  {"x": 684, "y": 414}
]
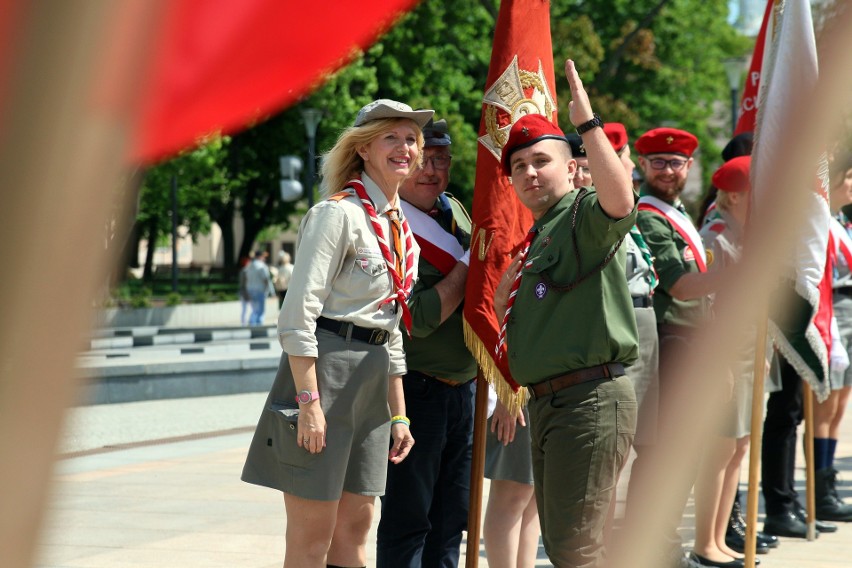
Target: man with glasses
[
  {"x": 680, "y": 301},
  {"x": 425, "y": 506}
]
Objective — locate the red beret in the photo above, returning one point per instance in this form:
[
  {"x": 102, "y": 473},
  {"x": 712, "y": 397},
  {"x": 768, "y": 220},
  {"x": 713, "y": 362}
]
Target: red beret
[
  {"x": 617, "y": 135},
  {"x": 526, "y": 131},
  {"x": 667, "y": 141},
  {"x": 733, "y": 175}
]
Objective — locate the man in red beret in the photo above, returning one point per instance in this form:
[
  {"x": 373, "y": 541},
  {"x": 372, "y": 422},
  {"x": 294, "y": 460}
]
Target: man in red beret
[
  {"x": 680, "y": 303},
  {"x": 569, "y": 325}
]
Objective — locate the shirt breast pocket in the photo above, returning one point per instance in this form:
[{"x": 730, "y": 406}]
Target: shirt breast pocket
[
  {"x": 371, "y": 274},
  {"x": 371, "y": 266},
  {"x": 545, "y": 261}
]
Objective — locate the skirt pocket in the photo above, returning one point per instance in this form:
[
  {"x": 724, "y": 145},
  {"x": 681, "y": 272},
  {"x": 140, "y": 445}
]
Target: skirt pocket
[{"x": 284, "y": 432}]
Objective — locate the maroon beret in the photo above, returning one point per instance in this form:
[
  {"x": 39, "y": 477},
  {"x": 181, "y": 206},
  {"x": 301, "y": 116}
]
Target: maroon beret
[
  {"x": 526, "y": 131},
  {"x": 617, "y": 135},
  {"x": 667, "y": 141},
  {"x": 733, "y": 175}
]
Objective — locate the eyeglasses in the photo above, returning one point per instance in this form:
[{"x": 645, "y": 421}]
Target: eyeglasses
[
  {"x": 660, "y": 164},
  {"x": 584, "y": 171},
  {"x": 440, "y": 162}
]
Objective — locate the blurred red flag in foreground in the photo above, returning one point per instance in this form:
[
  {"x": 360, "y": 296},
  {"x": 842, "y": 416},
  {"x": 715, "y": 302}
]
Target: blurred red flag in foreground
[{"x": 218, "y": 64}]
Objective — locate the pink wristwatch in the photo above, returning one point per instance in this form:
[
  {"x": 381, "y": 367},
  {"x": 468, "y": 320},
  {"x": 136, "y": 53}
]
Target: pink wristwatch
[{"x": 306, "y": 396}]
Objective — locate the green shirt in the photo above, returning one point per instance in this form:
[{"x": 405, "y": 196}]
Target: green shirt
[
  {"x": 669, "y": 250},
  {"x": 552, "y": 332},
  {"x": 436, "y": 348}
]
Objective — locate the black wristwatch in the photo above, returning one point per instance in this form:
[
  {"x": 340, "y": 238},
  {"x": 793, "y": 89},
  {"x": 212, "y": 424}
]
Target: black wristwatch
[{"x": 596, "y": 122}]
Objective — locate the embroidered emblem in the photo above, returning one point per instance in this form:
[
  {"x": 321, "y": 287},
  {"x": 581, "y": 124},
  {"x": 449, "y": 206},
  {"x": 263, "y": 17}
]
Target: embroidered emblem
[
  {"x": 688, "y": 255},
  {"x": 670, "y": 139},
  {"x": 515, "y": 93},
  {"x": 364, "y": 251},
  {"x": 526, "y": 131},
  {"x": 582, "y": 148},
  {"x": 540, "y": 290},
  {"x": 364, "y": 263},
  {"x": 709, "y": 254}
]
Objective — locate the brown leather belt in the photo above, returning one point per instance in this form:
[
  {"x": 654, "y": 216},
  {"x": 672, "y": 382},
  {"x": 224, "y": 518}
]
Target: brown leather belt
[{"x": 550, "y": 386}]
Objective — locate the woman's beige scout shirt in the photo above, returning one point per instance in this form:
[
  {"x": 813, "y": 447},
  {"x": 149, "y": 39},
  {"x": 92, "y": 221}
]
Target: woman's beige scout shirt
[{"x": 340, "y": 273}]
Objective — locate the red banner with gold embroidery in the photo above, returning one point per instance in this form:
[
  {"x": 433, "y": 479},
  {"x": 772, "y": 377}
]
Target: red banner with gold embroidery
[{"x": 520, "y": 81}]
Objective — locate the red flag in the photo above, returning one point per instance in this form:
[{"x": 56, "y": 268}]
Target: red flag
[
  {"x": 220, "y": 64},
  {"x": 520, "y": 81},
  {"x": 748, "y": 103}
]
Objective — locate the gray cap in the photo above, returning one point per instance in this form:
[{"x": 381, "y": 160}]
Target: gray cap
[
  {"x": 436, "y": 133},
  {"x": 386, "y": 108}
]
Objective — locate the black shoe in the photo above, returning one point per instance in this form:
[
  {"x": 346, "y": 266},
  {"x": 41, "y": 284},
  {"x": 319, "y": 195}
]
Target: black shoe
[
  {"x": 769, "y": 540},
  {"x": 736, "y": 541},
  {"x": 736, "y": 532},
  {"x": 828, "y": 506},
  {"x": 785, "y": 524},
  {"x": 735, "y": 563},
  {"x": 821, "y": 526}
]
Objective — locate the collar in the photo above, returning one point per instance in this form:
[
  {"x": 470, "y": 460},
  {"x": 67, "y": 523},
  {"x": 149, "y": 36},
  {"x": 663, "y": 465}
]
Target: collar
[
  {"x": 374, "y": 192},
  {"x": 731, "y": 224},
  {"x": 560, "y": 206}
]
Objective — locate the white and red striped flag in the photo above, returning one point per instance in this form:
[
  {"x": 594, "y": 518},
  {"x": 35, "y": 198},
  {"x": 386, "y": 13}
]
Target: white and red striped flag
[{"x": 785, "y": 74}]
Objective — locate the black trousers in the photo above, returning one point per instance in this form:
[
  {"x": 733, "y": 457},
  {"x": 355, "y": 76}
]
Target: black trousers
[{"x": 784, "y": 412}]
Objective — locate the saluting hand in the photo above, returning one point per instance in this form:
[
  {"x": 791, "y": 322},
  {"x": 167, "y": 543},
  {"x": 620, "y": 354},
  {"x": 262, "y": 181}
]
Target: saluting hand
[
  {"x": 579, "y": 109},
  {"x": 402, "y": 442}
]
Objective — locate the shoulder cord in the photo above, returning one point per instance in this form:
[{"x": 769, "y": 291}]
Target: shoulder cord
[{"x": 571, "y": 285}]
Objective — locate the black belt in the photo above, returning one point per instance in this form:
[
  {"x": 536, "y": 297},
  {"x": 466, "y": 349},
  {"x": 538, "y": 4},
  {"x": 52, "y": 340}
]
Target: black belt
[
  {"x": 550, "y": 386},
  {"x": 642, "y": 302},
  {"x": 349, "y": 329},
  {"x": 844, "y": 290}
]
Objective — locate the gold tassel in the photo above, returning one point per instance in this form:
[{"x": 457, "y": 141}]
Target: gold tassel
[{"x": 512, "y": 400}]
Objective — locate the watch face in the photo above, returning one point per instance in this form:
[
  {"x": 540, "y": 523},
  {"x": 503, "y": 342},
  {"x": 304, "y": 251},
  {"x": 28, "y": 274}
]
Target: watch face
[{"x": 304, "y": 397}]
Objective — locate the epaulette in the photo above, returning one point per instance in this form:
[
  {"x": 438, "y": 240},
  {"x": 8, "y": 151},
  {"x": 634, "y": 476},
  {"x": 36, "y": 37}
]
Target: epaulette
[
  {"x": 340, "y": 195},
  {"x": 460, "y": 206}
]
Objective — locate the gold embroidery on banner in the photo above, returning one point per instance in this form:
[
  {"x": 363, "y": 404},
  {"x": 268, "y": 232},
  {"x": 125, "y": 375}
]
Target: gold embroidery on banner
[
  {"x": 517, "y": 92},
  {"x": 484, "y": 245}
]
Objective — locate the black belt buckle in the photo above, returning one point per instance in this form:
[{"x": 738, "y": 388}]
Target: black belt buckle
[
  {"x": 378, "y": 337},
  {"x": 642, "y": 302}
]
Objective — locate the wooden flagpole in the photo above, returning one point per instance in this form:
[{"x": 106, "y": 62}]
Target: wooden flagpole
[
  {"x": 755, "y": 437},
  {"x": 810, "y": 500},
  {"x": 477, "y": 472}
]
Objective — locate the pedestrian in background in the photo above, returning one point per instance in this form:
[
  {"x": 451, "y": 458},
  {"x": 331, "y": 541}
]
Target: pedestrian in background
[
  {"x": 258, "y": 286},
  {"x": 284, "y": 271}
]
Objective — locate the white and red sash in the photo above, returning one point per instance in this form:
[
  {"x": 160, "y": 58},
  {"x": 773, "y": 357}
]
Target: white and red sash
[
  {"x": 402, "y": 283},
  {"x": 681, "y": 223},
  {"x": 843, "y": 243},
  {"x": 437, "y": 246}
]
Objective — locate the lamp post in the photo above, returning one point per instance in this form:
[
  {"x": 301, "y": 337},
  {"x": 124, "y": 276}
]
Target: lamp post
[
  {"x": 734, "y": 70},
  {"x": 311, "y": 117}
]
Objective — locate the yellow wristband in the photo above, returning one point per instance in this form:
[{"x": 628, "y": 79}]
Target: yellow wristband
[{"x": 398, "y": 419}]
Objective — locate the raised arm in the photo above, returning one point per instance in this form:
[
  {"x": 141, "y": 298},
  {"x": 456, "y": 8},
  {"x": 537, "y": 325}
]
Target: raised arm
[{"x": 614, "y": 187}]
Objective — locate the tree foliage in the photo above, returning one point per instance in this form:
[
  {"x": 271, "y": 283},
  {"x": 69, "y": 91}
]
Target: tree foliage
[{"x": 644, "y": 63}]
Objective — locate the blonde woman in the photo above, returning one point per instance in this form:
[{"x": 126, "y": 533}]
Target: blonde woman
[{"x": 323, "y": 436}]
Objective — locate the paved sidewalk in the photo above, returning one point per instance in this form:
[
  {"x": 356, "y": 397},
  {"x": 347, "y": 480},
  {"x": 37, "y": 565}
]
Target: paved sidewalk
[{"x": 181, "y": 504}]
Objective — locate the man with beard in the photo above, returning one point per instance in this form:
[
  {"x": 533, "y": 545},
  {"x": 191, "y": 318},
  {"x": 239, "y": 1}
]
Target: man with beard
[{"x": 680, "y": 299}]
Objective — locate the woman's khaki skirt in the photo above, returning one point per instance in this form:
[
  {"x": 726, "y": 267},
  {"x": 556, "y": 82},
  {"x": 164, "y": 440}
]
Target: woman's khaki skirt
[{"x": 353, "y": 385}]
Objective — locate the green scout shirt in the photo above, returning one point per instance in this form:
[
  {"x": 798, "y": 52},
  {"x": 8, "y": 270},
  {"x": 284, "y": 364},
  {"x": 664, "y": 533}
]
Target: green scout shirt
[
  {"x": 550, "y": 332},
  {"x": 436, "y": 348},
  {"x": 668, "y": 248}
]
